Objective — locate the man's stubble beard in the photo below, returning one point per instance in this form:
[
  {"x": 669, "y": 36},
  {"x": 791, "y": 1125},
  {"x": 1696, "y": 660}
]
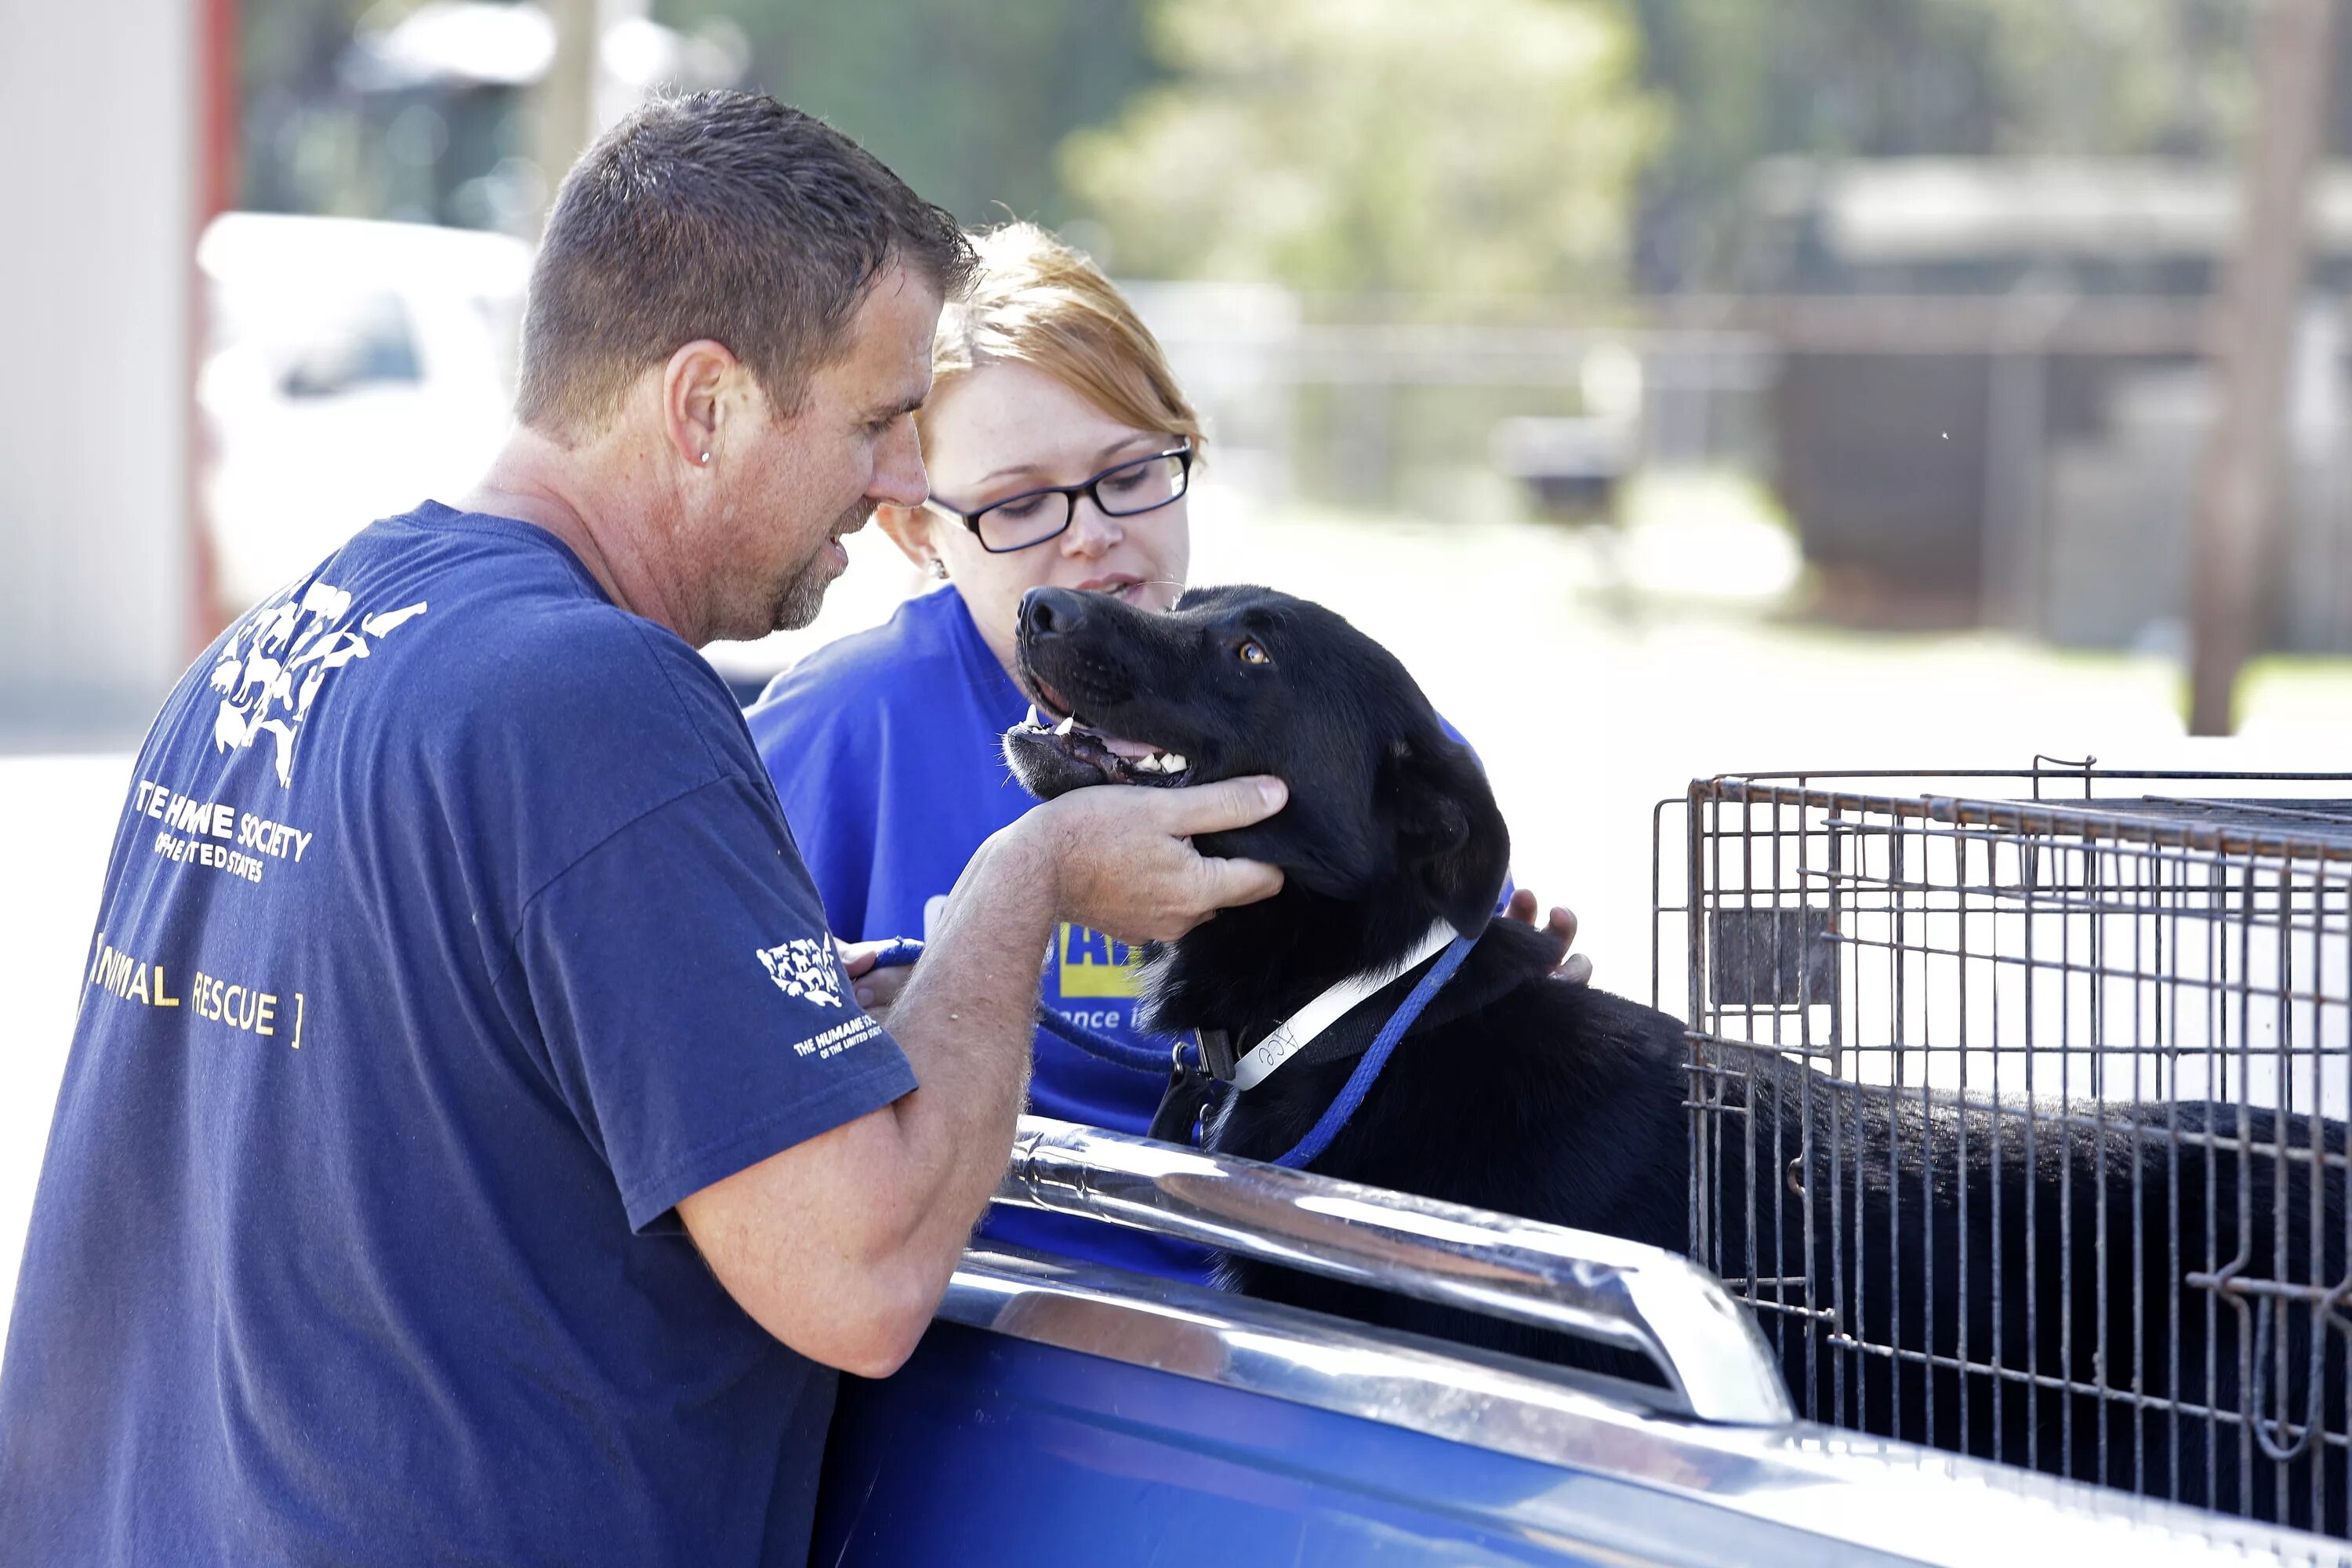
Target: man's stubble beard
[{"x": 801, "y": 597}]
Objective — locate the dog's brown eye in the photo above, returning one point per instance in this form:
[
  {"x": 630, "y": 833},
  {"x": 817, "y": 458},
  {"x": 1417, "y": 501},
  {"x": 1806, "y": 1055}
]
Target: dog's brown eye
[{"x": 1251, "y": 653}]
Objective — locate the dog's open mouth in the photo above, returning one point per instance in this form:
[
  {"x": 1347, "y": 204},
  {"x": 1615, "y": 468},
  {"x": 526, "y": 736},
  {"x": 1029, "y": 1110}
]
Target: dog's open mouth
[{"x": 1117, "y": 758}]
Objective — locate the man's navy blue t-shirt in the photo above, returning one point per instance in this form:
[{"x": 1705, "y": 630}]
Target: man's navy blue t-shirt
[{"x": 452, "y": 934}]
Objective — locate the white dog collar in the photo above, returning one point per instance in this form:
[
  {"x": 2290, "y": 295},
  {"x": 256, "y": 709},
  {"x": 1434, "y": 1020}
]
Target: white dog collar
[{"x": 1292, "y": 1034}]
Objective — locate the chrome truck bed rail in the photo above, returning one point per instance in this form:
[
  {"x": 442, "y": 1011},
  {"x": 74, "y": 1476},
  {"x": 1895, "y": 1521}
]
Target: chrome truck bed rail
[
  {"x": 1656, "y": 1304},
  {"x": 1101, "y": 1445},
  {"x": 1627, "y": 1485}
]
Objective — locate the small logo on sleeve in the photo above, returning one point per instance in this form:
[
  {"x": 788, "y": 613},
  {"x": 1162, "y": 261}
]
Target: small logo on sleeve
[{"x": 806, "y": 968}]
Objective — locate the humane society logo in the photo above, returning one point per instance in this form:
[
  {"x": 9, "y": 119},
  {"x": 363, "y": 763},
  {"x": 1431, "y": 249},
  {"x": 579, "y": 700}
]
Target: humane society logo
[
  {"x": 277, "y": 661},
  {"x": 807, "y": 968},
  {"x": 804, "y": 967}
]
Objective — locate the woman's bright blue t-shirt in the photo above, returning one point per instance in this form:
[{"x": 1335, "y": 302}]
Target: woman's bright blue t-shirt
[{"x": 886, "y": 750}]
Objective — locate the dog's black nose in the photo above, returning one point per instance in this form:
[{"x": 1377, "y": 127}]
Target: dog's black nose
[{"x": 1052, "y": 613}]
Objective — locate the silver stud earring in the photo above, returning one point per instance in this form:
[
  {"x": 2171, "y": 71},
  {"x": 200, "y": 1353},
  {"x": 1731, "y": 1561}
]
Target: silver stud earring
[
  {"x": 939, "y": 569},
  {"x": 706, "y": 457}
]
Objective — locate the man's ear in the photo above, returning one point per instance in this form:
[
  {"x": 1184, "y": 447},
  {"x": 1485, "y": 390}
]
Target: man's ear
[
  {"x": 1451, "y": 839},
  {"x": 696, "y": 387}
]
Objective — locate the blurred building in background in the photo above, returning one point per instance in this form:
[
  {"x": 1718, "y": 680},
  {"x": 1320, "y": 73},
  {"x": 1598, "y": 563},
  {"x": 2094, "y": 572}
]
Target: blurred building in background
[{"x": 1993, "y": 391}]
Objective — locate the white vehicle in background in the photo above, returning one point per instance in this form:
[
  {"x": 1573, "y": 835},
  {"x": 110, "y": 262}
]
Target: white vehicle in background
[{"x": 351, "y": 370}]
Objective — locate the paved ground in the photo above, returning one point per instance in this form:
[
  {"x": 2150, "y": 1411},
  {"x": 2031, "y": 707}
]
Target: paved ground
[{"x": 1589, "y": 699}]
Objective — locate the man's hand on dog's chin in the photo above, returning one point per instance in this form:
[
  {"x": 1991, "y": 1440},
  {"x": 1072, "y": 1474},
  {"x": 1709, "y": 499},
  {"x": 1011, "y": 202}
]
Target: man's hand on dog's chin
[
  {"x": 1122, "y": 861},
  {"x": 1574, "y": 967}
]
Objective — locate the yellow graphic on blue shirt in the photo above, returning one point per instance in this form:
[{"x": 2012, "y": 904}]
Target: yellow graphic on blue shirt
[{"x": 1095, "y": 966}]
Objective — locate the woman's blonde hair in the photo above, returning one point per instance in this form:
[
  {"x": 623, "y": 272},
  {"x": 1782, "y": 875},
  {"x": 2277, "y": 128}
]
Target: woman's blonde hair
[{"x": 1035, "y": 301}]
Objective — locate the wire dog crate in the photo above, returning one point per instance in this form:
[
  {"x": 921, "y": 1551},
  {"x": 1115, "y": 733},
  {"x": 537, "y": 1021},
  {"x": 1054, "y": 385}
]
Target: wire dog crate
[{"x": 2041, "y": 1077}]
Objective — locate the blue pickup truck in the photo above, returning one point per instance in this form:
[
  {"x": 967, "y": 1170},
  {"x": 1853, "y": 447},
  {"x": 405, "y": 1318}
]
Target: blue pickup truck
[{"x": 1074, "y": 1414}]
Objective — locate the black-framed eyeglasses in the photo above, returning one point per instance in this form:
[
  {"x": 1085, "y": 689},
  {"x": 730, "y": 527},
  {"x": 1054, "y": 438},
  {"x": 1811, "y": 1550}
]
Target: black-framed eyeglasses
[{"x": 1126, "y": 489}]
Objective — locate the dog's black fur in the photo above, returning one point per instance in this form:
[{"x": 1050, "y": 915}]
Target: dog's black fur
[{"x": 1520, "y": 1092}]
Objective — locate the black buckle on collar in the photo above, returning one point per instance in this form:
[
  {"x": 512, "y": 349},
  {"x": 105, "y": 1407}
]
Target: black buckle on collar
[
  {"x": 1185, "y": 1103},
  {"x": 1217, "y": 1054}
]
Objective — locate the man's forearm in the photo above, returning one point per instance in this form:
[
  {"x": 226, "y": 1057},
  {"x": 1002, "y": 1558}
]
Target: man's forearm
[
  {"x": 965, "y": 1021},
  {"x": 840, "y": 1245}
]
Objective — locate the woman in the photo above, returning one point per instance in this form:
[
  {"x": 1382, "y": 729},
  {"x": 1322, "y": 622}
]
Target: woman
[{"x": 1059, "y": 449}]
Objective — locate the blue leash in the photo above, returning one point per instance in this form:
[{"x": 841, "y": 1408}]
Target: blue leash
[
  {"x": 1144, "y": 1058},
  {"x": 1119, "y": 1053},
  {"x": 1376, "y": 1056},
  {"x": 902, "y": 952}
]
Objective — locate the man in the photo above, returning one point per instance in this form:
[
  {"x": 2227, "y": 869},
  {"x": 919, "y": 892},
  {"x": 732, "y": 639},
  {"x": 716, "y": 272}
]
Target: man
[{"x": 471, "y": 1149}]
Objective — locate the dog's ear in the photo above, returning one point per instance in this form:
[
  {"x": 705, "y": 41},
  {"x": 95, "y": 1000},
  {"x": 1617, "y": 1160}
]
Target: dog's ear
[{"x": 1451, "y": 839}]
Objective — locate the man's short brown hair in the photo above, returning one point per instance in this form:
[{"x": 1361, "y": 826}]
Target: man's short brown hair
[{"x": 725, "y": 215}]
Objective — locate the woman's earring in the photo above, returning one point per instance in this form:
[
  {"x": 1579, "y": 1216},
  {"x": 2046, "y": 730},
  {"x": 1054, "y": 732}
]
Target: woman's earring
[
  {"x": 939, "y": 569},
  {"x": 706, "y": 457}
]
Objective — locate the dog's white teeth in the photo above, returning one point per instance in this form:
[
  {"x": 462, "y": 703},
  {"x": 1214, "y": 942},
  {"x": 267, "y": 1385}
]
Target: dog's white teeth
[
  {"x": 1066, "y": 725},
  {"x": 1149, "y": 765},
  {"x": 1174, "y": 763},
  {"x": 1035, "y": 722}
]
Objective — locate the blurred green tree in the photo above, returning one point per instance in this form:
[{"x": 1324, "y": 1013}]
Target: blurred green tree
[
  {"x": 1377, "y": 145},
  {"x": 967, "y": 103}
]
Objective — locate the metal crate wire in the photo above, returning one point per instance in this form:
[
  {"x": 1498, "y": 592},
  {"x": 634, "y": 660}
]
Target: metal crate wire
[{"x": 2149, "y": 973}]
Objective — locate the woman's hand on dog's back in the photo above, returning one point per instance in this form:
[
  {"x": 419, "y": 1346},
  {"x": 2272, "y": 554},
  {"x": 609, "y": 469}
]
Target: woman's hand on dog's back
[
  {"x": 1123, "y": 858},
  {"x": 1574, "y": 967}
]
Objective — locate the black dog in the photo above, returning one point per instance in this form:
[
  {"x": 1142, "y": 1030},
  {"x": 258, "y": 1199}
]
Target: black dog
[{"x": 1518, "y": 1092}]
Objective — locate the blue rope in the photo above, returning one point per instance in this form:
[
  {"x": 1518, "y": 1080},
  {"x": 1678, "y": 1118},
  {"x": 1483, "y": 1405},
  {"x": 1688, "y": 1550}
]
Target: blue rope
[
  {"x": 1376, "y": 1056},
  {"x": 1119, "y": 1053}
]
